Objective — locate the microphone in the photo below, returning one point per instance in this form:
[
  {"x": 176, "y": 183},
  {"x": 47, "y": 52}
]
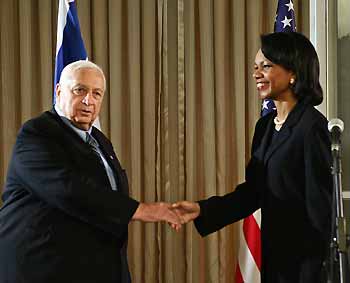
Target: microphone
[{"x": 335, "y": 127}]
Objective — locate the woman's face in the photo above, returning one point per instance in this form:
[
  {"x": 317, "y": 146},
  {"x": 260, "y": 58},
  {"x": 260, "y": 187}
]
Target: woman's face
[{"x": 272, "y": 80}]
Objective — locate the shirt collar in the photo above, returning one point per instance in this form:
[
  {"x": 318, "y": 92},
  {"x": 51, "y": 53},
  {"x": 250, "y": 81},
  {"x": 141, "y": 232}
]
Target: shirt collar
[{"x": 81, "y": 133}]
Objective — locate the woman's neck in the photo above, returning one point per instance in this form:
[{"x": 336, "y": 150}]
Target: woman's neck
[{"x": 284, "y": 107}]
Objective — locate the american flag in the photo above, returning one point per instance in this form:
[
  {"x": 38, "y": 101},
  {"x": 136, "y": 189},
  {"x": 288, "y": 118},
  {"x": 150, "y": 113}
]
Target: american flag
[
  {"x": 249, "y": 254},
  {"x": 285, "y": 22}
]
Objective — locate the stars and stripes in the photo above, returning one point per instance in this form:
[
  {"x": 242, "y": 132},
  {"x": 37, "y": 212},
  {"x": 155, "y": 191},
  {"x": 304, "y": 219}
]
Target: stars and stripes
[
  {"x": 249, "y": 254},
  {"x": 285, "y": 22},
  {"x": 267, "y": 107},
  {"x": 285, "y": 17}
]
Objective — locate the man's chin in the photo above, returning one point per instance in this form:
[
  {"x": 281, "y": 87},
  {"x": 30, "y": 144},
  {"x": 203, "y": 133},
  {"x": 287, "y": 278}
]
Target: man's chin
[{"x": 83, "y": 125}]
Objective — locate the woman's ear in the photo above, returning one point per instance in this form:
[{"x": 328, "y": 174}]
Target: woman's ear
[{"x": 292, "y": 79}]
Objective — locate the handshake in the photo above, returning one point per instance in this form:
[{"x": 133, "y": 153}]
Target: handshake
[{"x": 175, "y": 214}]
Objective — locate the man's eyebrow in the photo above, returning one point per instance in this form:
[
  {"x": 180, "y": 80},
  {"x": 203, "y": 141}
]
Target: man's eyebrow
[
  {"x": 82, "y": 85},
  {"x": 79, "y": 85}
]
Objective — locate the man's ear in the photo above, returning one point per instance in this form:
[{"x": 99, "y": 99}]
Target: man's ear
[{"x": 58, "y": 89}]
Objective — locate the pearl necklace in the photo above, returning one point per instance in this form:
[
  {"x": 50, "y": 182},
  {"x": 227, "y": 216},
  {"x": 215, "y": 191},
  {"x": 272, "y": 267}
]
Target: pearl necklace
[{"x": 278, "y": 124}]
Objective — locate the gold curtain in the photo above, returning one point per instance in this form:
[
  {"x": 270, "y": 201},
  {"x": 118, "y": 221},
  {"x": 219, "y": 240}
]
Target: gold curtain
[{"x": 180, "y": 106}]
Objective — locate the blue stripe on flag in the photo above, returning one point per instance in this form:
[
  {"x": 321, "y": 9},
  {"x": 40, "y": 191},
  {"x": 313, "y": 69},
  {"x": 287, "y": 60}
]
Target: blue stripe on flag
[{"x": 72, "y": 47}]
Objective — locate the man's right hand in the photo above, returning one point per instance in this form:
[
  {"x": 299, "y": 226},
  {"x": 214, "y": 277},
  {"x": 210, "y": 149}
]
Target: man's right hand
[{"x": 157, "y": 211}]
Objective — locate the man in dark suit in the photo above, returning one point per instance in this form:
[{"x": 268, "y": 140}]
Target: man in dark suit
[{"x": 66, "y": 206}]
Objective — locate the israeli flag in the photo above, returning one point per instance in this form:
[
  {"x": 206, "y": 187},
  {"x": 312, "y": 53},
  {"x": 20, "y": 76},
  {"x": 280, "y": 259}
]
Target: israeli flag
[{"x": 70, "y": 45}]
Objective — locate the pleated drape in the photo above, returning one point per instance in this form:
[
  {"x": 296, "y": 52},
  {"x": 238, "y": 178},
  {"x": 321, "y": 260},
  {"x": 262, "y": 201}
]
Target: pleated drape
[{"x": 180, "y": 107}]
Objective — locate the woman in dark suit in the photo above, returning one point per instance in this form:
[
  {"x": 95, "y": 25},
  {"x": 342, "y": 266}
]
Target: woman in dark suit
[{"x": 289, "y": 175}]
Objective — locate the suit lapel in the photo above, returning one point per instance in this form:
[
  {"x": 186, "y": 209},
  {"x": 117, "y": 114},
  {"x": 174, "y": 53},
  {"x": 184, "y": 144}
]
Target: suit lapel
[
  {"x": 107, "y": 150},
  {"x": 282, "y": 136},
  {"x": 265, "y": 140},
  {"x": 112, "y": 160},
  {"x": 77, "y": 145},
  {"x": 287, "y": 129},
  {"x": 64, "y": 132}
]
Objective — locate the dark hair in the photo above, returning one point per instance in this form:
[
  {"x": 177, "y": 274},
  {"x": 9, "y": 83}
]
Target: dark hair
[{"x": 295, "y": 53}]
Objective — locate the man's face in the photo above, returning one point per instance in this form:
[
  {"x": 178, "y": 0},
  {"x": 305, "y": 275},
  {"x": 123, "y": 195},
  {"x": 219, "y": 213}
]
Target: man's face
[{"x": 81, "y": 97}]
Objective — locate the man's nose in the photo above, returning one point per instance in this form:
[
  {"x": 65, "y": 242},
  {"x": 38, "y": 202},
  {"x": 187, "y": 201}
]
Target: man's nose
[{"x": 88, "y": 99}]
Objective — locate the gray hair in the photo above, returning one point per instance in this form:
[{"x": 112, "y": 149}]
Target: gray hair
[{"x": 68, "y": 70}]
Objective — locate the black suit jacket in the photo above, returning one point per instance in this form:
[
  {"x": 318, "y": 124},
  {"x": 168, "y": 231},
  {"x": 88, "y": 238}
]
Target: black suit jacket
[
  {"x": 60, "y": 221},
  {"x": 290, "y": 180}
]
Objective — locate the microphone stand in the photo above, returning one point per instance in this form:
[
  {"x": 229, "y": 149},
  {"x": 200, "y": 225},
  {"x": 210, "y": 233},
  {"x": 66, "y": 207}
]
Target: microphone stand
[{"x": 338, "y": 244}]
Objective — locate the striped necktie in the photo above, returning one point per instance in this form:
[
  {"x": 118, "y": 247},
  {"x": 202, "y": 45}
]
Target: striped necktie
[
  {"x": 94, "y": 146},
  {"x": 95, "y": 149}
]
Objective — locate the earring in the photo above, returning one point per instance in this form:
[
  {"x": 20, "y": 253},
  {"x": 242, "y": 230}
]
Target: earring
[{"x": 291, "y": 81}]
